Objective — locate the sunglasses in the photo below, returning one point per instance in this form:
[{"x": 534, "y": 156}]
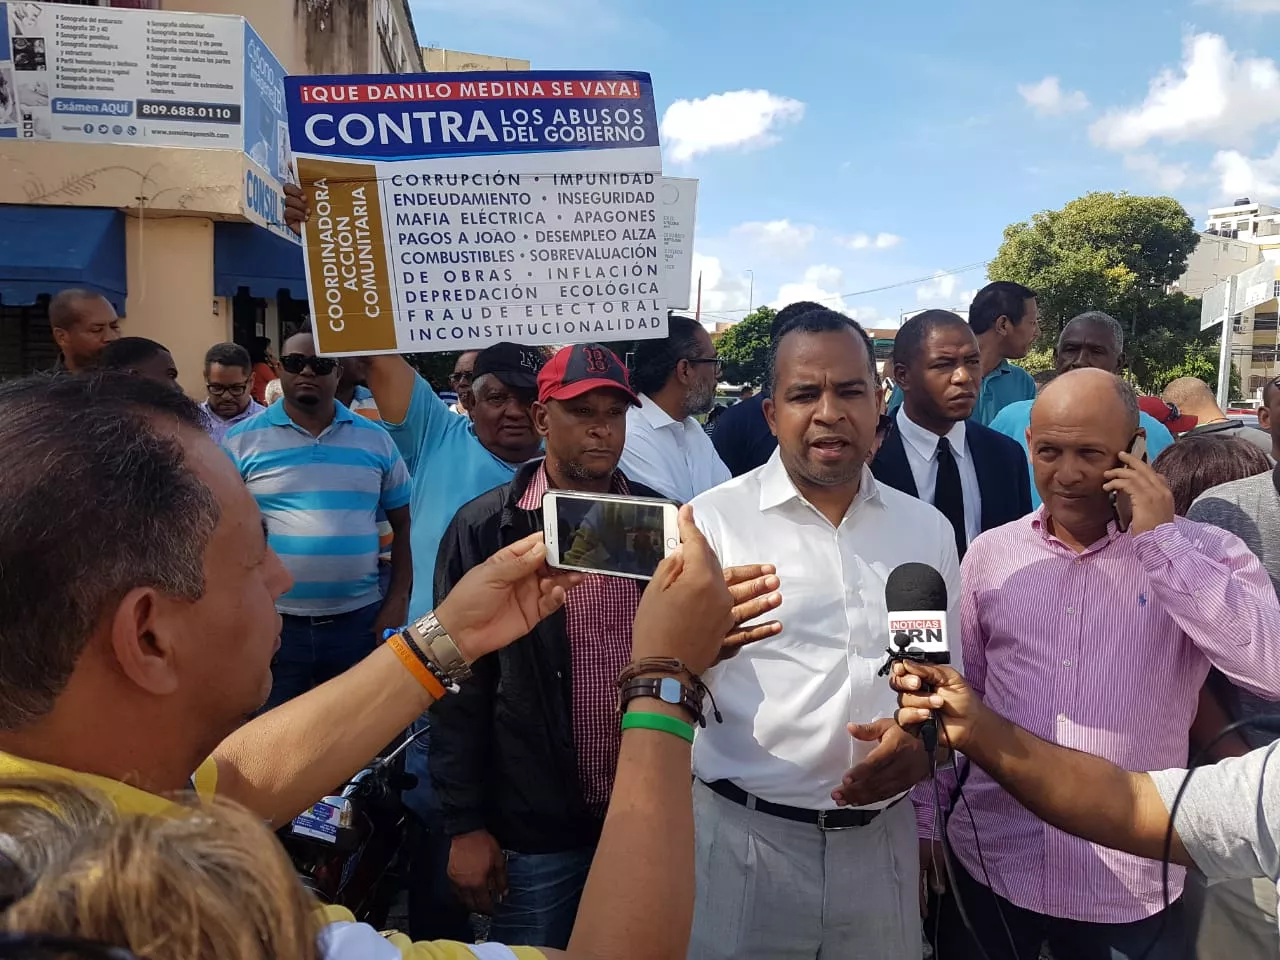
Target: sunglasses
[
  {"x": 295, "y": 363},
  {"x": 224, "y": 390},
  {"x": 464, "y": 376},
  {"x": 716, "y": 360},
  {"x": 39, "y": 946}
]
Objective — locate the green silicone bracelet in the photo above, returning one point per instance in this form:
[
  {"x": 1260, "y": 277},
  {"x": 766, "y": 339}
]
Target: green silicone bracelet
[{"x": 658, "y": 721}]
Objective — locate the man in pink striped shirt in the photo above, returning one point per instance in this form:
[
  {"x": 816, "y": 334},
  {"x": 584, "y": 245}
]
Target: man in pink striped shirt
[{"x": 1093, "y": 626}]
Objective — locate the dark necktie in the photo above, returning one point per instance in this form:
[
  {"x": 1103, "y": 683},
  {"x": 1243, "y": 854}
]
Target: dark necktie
[{"x": 948, "y": 496}]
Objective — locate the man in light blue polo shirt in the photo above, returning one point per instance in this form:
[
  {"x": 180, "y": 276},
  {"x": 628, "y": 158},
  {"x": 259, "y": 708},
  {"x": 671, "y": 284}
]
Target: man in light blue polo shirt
[
  {"x": 1006, "y": 319},
  {"x": 1092, "y": 339},
  {"x": 452, "y": 459},
  {"x": 319, "y": 474}
]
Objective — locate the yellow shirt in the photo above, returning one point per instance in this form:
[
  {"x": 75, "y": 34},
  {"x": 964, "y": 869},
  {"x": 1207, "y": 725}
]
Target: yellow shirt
[{"x": 129, "y": 799}]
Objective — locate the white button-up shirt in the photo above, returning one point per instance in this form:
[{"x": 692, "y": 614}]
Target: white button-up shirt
[
  {"x": 922, "y": 454},
  {"x": 786, "y": 700},
  {"x": 674, "y": 457}
]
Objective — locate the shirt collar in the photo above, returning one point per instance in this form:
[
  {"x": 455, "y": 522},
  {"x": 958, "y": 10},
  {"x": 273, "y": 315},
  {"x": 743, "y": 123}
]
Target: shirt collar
[
  {"x": 251, "y": 410},
  {"x": 925, "y": 442},
  {"x": 277, "y": 416},
  {"x": 657, "y": 417},
  {"x": 1003, "y": 367},
  {"x": 126, "y": 798},
  {"x": 776, "y": 487},
  {"x": 1040, "y": 524}
]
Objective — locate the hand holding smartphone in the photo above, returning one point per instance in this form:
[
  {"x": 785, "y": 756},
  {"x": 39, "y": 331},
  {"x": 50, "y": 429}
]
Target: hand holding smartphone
[
  {"x": 607, "y": 534},
  {"x": 1121, "y": 505}
]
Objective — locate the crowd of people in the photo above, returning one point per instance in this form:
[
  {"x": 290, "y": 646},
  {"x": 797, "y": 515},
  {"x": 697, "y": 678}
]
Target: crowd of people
[{"x": 212, "y": 585}]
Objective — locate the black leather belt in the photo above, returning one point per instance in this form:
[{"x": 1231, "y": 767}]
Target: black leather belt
[{"x": 839, "y": 819}]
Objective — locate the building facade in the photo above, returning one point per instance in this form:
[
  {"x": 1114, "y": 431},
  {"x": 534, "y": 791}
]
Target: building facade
[
  {"x": 107, "y": 182},
  {"x": 1255, "y": 227}
]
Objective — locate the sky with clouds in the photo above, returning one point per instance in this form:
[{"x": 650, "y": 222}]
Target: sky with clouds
[{"x": 869, "y": 155}]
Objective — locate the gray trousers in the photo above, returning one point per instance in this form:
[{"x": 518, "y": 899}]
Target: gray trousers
[
  {"x": 1237, "y": 919},
  {"x": 772, "y": 889}
]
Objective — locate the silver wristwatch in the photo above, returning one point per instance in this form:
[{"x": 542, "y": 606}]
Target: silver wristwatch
[{"x": 440, "y": 649}]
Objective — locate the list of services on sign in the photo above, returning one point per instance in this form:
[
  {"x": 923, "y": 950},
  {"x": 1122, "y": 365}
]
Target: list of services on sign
[{"x": 453, "y": 211}]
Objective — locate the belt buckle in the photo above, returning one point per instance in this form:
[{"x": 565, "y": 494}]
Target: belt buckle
[{"x": 822, "y": 822}]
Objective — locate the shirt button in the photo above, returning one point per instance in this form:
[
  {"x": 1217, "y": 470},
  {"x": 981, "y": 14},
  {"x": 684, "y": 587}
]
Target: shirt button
[
  {"x": 1066, "y": 663},
  {"x": 1062, "y": 718},
  {"x": 1070, "y": 611}
]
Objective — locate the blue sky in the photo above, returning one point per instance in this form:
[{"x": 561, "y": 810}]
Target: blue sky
[{"x": 846, "y": 145}]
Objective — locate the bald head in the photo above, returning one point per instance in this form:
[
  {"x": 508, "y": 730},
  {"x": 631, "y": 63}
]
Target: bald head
[
  {"x": 1193, "y": 396},
  {"x": 1088, "y": 392}
]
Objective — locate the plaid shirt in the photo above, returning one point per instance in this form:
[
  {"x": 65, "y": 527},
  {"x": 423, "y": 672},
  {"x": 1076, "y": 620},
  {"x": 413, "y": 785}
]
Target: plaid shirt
[{"x": 598, "y": 618}]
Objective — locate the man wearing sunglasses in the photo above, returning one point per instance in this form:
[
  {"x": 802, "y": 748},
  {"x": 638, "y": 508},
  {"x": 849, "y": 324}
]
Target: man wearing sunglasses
[
  {"x": 320, "y": 473},
  {"x": 228, "y": 376},
  {"x": 460, "y": 382}
]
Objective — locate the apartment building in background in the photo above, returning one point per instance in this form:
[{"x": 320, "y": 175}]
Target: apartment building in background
[
  {"x": 143, "y": 149},
  {"x": 1237, "y": 238},
  {"x": 437, "y": 60}
]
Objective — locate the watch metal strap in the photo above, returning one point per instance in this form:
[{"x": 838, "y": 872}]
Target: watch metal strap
[{"x": 439, "y": 648}]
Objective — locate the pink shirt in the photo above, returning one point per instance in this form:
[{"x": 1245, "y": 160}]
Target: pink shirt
[{"x": 1104, "y": 652}]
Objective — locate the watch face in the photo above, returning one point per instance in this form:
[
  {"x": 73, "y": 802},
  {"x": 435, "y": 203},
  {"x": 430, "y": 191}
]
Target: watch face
[{"x": 669, "y": 691}]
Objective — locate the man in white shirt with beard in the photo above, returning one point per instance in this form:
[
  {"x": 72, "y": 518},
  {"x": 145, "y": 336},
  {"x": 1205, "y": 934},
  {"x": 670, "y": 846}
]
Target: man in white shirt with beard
[{"x": 797, "y": 858}]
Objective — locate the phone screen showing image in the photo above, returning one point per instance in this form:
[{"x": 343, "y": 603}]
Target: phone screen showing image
[{"x": 609, "y": 536}]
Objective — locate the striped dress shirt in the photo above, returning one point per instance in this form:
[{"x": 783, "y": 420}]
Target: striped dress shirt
[
  {"x": 1104, "y": 652},
  {"x": 320, "y": 497}
]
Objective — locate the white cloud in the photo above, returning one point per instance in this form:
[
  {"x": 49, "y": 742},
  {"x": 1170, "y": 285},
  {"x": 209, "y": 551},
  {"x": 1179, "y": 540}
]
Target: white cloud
[
  {"x": 1213, "y": 96},
  {"x": 778, "y": 236},
  {"x": 1241, "y": 176},
  {"x": 820, "y": 283},
  {"x": 1250, "y": 6},
  {"x": 942, "y": 287},
  {"x": 865, "y": 241},
  {"x": 723, "y": 121},
  {"x": 1164, "y": 176},
  {"x": 721, "y": 291},
  {"x": 1048, "y": 99}
]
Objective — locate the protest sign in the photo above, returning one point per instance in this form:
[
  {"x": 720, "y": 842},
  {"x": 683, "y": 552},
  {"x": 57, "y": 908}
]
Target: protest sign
[
  {"x": 452, "y": 211},
  {"x": 679, "y": 211}
]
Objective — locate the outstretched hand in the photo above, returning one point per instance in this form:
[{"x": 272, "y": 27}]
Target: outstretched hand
[
  {"x": 754, "y": 589},
  {"x": 504, "y": 598}
]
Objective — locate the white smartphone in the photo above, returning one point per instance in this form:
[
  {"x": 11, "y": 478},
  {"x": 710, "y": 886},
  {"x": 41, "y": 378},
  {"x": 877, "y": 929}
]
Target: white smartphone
[{"x": 607, "y": 534}]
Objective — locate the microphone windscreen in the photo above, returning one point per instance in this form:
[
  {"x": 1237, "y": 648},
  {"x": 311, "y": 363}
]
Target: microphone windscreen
[{"x": 915, "y": 586}]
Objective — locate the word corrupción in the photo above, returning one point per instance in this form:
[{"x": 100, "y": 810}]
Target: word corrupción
[{"x": 447, "y": 126}]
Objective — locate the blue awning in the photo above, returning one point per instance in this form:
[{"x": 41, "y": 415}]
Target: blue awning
[
  {"x": 46, "y": 249},
  {"x": 246, "y": 255}
]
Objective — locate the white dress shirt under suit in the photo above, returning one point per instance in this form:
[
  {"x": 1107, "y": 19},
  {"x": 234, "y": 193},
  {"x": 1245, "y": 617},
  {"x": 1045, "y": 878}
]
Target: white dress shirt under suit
[
  {"x": 674, "y": 457},
  {"x": 922, "y": 454}
]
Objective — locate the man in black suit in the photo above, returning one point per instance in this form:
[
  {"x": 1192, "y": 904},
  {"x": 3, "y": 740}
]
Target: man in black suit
[{"x": 976, "y": 477}]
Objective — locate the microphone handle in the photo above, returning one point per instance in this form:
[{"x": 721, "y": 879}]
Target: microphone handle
[{"x": 929, "y": 728}]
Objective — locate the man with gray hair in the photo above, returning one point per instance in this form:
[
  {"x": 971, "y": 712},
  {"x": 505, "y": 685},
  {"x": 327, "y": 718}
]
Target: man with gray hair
[
  {"x": 1054, "y": 607},
  {"x": 1091, "y": 340}
]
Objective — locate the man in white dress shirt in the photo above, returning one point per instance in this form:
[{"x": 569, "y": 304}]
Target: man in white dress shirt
[
  {"x": 796, "y": 857},
  {"x": 667, "y": 449}
]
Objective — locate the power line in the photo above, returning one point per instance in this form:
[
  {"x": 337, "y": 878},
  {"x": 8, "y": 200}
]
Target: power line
[{"x": 862, "y": 293}]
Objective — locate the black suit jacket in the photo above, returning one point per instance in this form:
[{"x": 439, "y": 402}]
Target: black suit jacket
[{"x": 1000, "y": 463}]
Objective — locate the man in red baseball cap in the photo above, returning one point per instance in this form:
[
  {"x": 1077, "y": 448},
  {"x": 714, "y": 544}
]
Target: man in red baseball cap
[{"x": 523, "y": 758}]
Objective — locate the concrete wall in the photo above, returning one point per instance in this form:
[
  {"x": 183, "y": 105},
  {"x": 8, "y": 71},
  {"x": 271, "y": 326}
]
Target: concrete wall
[
  {"x": 170, "y": 273},
  {"x": 449, "y": 61}
]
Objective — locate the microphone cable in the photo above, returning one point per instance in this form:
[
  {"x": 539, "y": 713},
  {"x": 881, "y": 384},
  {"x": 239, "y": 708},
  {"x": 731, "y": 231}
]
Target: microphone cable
[{"x": 1269, "y": 723}]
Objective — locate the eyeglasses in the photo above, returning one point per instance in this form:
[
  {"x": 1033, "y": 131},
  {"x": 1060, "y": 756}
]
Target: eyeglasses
[
  {"x": 716, "y": 360},
  {"x": 236, "y": 390},
  {"x": 462, "y": 376},
  {"x": 295, "y": 363},
  {"x": 40, "y": 946}
]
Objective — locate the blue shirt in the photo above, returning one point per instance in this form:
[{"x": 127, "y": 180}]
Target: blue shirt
[
  {"x": 450, "y": 468},
  {"x": 1014, "y": 419},
  {"x": 1006, "y": 384},
  {"x": 320, "y": 497}
]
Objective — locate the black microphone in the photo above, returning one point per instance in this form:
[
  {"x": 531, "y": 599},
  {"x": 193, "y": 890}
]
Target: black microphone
[{"x": 916, "y": 597}]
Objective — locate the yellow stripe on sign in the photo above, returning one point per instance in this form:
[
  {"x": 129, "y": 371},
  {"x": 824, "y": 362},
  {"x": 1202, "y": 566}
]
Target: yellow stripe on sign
[{"x": 352, "y": 306}]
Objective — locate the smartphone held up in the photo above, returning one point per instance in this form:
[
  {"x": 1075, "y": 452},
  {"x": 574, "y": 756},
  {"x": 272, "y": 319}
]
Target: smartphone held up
[
  {"x": 607, "y": 534},
  {"x": 1121, "y": 508}
]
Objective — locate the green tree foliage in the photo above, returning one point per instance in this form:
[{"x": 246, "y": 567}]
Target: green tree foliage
[
  {"x": 744, "y": 347},
  {"x": 1115, "y": 253}
]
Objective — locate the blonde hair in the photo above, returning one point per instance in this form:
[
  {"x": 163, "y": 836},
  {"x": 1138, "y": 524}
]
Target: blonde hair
[{"x": 212, "y": 884}]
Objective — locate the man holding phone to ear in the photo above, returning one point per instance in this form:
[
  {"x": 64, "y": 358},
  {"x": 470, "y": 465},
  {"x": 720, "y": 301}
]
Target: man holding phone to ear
[
  {"x": 523, "y": 758},
  {"x": 1056, "y": 607}
]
